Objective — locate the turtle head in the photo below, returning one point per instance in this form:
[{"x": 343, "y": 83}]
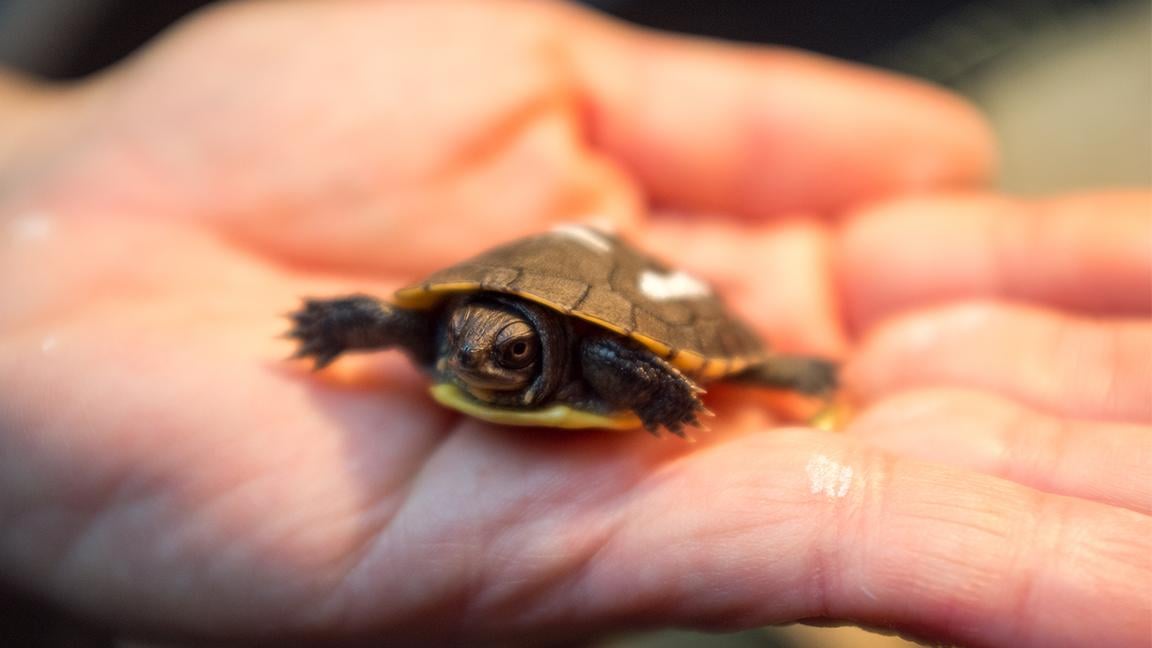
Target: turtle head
[{"x": 490, "y": 347}]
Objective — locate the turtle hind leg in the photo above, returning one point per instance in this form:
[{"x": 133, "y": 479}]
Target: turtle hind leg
[
  {"x": 804, "y": 374},
  {"x": 626, "y": 376},
  {"x": 325, "y": 328}
]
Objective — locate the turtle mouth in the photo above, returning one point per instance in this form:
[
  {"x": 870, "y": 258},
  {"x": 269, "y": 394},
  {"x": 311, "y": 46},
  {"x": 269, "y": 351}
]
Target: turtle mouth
[
  {"x": 483, "y": 388},
  {"x": 479, "y": 383},
  {"x": 488, "y": 382}
]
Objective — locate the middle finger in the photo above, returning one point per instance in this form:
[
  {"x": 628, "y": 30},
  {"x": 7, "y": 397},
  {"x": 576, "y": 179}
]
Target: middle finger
[{"x": 1065, "y": 365}]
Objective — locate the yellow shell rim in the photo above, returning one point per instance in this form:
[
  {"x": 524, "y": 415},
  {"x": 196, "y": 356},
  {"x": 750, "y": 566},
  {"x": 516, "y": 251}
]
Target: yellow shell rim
[{"x": 556, "y": 416}]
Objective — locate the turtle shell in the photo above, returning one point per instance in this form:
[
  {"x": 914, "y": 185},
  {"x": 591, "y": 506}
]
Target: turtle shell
[{"x": 597, "y": 277}]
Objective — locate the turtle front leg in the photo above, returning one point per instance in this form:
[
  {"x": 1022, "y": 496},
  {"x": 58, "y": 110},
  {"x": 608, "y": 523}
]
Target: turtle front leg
[
  {"x": 628, "y": 376},
  {"x": 325, "y": 328}
]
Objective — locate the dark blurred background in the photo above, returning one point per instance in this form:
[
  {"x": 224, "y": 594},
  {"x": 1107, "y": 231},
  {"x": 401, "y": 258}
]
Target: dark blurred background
[
  {"x": 1067, "y": 85},
  {"x": 944, "y": 39}
]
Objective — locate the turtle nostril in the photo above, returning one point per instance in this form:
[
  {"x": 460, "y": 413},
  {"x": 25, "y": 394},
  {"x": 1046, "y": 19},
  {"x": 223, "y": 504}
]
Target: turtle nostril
[{"x": 467, "y": 358}]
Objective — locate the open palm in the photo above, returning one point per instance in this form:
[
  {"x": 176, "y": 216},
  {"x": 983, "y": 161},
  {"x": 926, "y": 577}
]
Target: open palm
[{"x": 163, "y": 468}]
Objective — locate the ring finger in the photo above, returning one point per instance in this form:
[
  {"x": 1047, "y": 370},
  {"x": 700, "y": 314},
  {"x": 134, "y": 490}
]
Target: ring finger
[{"x": 1101, "y": 461}]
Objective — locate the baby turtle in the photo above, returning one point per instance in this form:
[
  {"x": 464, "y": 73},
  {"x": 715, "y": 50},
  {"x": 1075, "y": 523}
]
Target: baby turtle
[{"x": 571, "y": 328}]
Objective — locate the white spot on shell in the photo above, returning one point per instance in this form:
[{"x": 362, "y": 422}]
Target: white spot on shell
[
  {"x": 585, "y": 235},
  {"x": 674, "y": 285},
  {"x": 828, "y": 477},
  {"x": 48, "y": 344},
  {"x": 30, "y": 227}
]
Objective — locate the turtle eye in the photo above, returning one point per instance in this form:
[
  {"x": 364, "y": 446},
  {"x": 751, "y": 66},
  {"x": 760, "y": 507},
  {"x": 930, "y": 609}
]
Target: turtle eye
[{"x": 517, "y": 353}]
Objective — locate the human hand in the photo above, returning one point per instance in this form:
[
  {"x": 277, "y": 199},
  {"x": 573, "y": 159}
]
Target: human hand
[{"x": 163, "y": 470}]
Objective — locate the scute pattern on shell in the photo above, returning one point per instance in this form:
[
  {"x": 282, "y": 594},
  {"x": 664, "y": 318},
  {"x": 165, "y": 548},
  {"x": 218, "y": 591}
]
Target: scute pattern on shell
[{"x": 696, "y": 333}]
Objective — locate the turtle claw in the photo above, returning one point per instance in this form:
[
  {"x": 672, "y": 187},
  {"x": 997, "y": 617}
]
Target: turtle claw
[
  {"x": 676, "y": 408},
  {"x": 313, "y": 328},
  {"x": 675, "y": 429},
  {"x": 678, "y": 426},
  {"x": 680, "y": 429},
  {"x": 695, "y": 420},
  {"x": 320, "y": 359}
]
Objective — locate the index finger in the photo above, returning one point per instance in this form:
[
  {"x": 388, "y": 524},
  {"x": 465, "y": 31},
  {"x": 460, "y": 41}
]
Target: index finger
[
  {"x": 757, "y": 131},
  {"x": 1088, "y": 253}
]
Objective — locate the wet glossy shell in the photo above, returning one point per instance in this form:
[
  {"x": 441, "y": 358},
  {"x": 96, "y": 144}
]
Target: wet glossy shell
[{"x": 601, "y": 279}]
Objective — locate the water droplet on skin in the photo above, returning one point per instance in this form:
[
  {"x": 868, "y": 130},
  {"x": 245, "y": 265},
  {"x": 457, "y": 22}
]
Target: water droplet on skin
[
  {"x": 919, "y": 335},
  {"x": 31, "y": 227},
  {"x": 828, "y": 477},
  {"x": 926, "y": 332}
]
